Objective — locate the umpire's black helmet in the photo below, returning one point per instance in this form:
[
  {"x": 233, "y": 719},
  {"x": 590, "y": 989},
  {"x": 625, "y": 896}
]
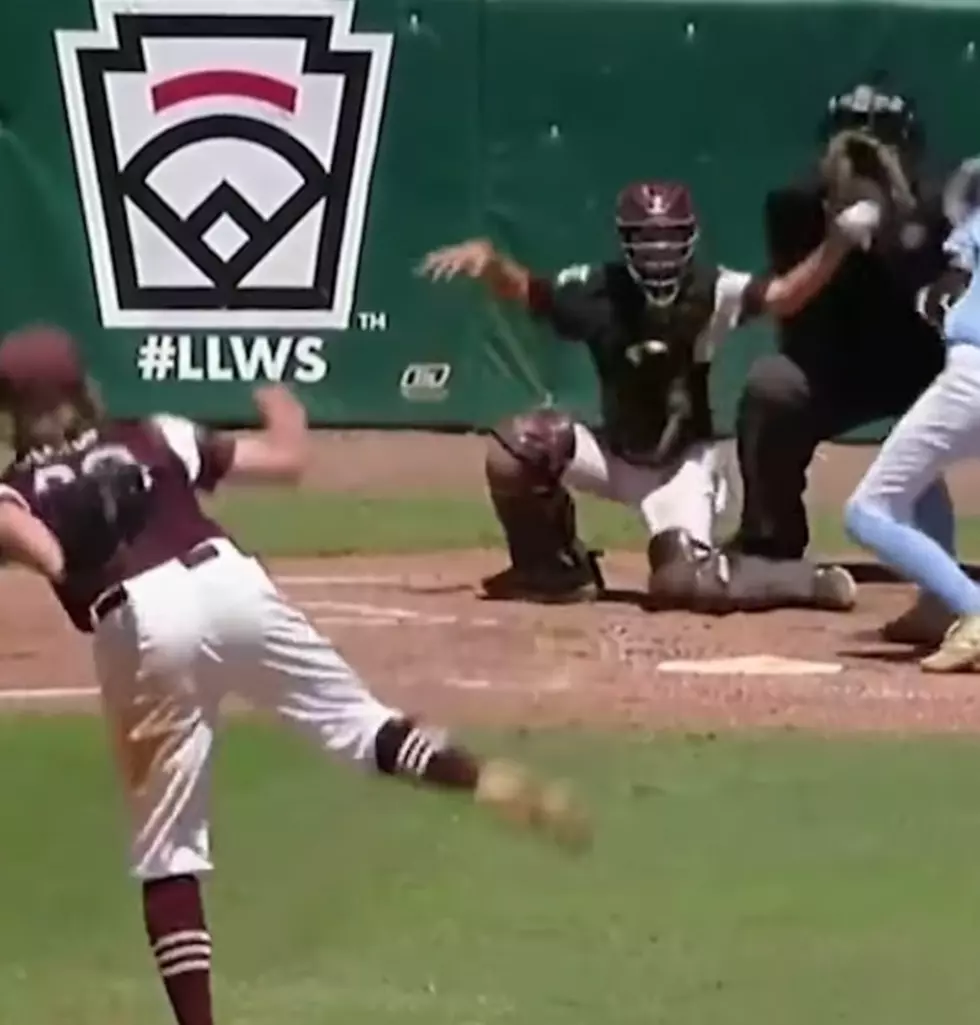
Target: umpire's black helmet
[{"x": 885, "y": 113}]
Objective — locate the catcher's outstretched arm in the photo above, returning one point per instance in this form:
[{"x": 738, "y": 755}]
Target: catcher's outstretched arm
[
  {"x": 510, "y": 279},
  {"x": 26, "y": 540},
  {"x": 477, "y": 258}
]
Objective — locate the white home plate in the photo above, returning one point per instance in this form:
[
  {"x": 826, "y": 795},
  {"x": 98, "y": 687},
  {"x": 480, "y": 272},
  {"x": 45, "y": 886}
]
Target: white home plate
[{"x": 751, "y": 665}]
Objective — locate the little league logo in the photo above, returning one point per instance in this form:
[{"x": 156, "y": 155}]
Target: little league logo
[{"x": 224, "y": 153}]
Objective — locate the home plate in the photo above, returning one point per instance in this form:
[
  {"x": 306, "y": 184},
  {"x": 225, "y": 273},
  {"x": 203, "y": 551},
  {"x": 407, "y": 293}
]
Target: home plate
[{"x": 751, "y": 665}]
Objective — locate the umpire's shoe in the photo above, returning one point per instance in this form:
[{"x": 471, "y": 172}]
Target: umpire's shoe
[
  {"x": 510, "y": 791},
  {"x": 579, "y": 580},
  {"x": 925, "y": 622}
]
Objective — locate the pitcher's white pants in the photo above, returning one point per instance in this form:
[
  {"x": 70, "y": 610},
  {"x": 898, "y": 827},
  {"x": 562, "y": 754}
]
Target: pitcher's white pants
[
  {"x": 164, "y": 660},
  {"x": 688, "y": 494}
]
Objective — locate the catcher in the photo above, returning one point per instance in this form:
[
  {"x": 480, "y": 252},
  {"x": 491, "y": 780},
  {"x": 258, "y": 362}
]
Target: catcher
[
  {"x": 651, "y": 321},
  {"x": 860, "y": 351},
  {"x": 108, "y": 513}
]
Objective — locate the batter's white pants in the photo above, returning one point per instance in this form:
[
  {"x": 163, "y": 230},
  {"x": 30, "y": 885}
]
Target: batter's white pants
[
  {"x": 165, "y": 659},
  {"x": 688, "y": 494}
]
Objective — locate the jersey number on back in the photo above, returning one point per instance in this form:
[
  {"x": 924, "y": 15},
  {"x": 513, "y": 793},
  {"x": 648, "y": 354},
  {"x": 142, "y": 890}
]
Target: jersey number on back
[{"x": 62, "y": 473}]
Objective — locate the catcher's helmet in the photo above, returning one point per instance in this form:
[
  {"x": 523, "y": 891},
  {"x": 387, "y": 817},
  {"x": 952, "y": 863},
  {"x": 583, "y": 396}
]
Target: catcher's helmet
[
  {"x": 658, "y": 229},
  {"x": 883, "y": 113}
]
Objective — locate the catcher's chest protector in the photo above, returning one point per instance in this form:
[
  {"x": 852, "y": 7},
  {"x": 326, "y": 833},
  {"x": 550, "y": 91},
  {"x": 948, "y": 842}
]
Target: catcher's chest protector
[{"x": 648, "y": 372}]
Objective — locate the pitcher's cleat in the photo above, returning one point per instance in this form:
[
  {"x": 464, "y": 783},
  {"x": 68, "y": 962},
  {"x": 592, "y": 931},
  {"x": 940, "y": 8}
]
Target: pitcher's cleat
[
  {"x": 960, "y": 650},
  {"x": 925, "y": 622},
  {"x": 519, "y": 799},
  {"x": 834, "y": 589}
]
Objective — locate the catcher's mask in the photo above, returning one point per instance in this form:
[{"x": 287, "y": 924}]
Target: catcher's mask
[
  {"x": 658, "y": 230},
  {"x": 889, "y": 116}
]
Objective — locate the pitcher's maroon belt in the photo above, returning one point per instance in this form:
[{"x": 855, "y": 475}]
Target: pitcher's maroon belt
[{"x": 110, "y": 600}]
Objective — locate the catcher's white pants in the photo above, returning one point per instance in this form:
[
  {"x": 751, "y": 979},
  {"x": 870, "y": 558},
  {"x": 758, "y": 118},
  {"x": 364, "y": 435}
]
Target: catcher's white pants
[
  {"x": 690, "y": 494},
  {"x": 164, "y": 660}
]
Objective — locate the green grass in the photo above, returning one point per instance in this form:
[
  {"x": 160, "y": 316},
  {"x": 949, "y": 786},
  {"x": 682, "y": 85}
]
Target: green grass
[
  {"x": 284, "y": 523},
  {"x": 741, "y": 881}
]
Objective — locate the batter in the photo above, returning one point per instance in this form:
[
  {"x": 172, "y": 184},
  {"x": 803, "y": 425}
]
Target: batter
[{"x": 942, "y": 427}]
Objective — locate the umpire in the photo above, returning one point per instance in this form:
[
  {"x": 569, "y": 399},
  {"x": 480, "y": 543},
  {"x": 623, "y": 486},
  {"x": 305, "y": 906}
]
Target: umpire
[{"x": 859, "y": 351}]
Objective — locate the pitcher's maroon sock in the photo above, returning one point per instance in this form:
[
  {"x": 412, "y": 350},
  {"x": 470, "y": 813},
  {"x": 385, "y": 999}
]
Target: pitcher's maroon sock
[{"x": 174, "y": 915}]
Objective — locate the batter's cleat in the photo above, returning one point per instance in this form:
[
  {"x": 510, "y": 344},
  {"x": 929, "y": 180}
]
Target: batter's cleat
[
  {"x": 926, "y": 622},
  {"x": 960, "y": 650},
  {"x": 520, "y": 799},
  {"x": 559, "y": 586},
  {"x": 834, "y": 589}
]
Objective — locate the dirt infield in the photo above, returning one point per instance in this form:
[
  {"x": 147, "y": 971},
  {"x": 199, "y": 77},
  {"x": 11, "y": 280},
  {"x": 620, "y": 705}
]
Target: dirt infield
[{"x": 416, "y": 628}]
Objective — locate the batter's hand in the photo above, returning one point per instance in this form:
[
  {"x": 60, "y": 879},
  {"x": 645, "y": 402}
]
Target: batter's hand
[{"x": 472, "y": 259}]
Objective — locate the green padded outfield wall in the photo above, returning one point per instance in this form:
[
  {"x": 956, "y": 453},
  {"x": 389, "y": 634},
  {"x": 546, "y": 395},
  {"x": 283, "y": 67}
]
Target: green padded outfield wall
[{"x": 212, "y": 192}]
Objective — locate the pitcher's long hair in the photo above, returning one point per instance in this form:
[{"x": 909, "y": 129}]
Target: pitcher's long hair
[{"x": 54, "y": 426}]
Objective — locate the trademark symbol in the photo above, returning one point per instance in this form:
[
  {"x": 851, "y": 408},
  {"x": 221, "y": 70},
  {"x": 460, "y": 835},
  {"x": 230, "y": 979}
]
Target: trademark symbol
[{"x": 371, "y": 320}]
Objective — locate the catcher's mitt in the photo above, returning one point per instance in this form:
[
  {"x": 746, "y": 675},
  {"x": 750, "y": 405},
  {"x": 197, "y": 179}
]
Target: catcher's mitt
[
  {"x": 95, "y": 514},
  {"x": 856, "y": 166}
]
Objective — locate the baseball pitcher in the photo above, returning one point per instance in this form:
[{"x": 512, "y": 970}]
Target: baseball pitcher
[
  {"x": 651, "y": 321},
  {"x": 180, "y": 615}
]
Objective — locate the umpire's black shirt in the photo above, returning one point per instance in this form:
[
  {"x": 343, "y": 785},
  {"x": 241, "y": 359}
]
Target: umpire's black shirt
[{"x": 865, "y": 317}]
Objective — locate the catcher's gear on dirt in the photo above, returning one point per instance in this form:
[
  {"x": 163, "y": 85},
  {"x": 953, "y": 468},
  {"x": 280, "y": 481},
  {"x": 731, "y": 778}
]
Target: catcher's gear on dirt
[
  {"x": 658, "y": 230},
  {"x": 526, "y": 458},
  {"x": 685, "y": 574},
  {"x": 96, "y": 513},
  {"x": 857, "y": 165}
]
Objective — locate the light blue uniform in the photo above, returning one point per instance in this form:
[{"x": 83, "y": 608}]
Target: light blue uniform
[{"x": 942, "y": 428}]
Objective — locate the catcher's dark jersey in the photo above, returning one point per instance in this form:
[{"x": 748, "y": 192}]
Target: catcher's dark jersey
[
  {"x": 866, "y": 313},
  {"x": 180, "y": 458},
  {"x": 652, "y": 363}
]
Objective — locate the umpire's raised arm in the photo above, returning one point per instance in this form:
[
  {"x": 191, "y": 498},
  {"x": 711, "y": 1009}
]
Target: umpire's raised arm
[{"x": 783, "y": 295}]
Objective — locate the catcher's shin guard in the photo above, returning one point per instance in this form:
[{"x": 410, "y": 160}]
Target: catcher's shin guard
[{"x": 549, "y": 563}]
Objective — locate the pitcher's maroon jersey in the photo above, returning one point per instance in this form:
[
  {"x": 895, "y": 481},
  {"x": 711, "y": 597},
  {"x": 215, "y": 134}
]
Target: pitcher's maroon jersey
[{"x": 180, "y": 457}]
